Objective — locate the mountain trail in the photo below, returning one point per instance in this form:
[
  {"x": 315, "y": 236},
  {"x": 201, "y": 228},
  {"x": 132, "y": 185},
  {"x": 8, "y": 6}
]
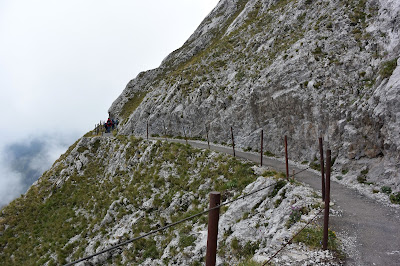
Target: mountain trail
[{"x": 372, "y": 226}]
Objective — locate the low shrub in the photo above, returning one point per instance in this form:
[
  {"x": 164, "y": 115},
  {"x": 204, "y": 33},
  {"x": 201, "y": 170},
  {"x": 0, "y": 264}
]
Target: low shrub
[
  {"x": 315, "y": 166},
  {"x": 280, "y": 184},
  {"x": 395, "y": 198},
  {"x": 269, "y": 173},
  {"x": 362, "y": 179},
  {"x": 387, "y": 68},
  {"x": 313, "y": 236},
  {"x": 386, "y": 190},
  {"x": 364, "y": 172},
  {"x": 277, "y": 203},
  {"x": 235, "y": 244},
  {"x": 295, "y": 215},
  {"x": 269, "y": 154},
  {"x": 249, "y": 249},
  {"x": 186, "y": 240}
]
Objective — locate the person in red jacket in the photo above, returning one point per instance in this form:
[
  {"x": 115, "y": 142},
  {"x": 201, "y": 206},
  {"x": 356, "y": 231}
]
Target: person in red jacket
[{"x": 109, "y": 125}]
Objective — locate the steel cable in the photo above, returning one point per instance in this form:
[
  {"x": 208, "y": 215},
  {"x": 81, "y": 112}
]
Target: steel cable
[
  {"x": 167, "y": 226},
  {"x": 290, "y": 241},
  {"x": 301, "y": 171},
  {"x": 199, "y": 214}
]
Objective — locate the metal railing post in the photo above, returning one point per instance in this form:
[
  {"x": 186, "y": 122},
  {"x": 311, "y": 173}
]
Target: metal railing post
[
  {"x": 184, "y": 133},
  {"x": 233, "y": 143},
  {"x": 286, "y": 159},
  {"x": 327, "y": 199},
  {"x": 321, "y": 152},
  {"x": 262, "y": 144},
  {"x": 212, "y": 237},
  {"x": 165, "y": 131},
  {"x": 208, "y": 141}
]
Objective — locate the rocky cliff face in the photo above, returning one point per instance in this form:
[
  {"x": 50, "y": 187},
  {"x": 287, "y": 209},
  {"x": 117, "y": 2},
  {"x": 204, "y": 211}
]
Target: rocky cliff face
[{"x": 304, "y": 68}]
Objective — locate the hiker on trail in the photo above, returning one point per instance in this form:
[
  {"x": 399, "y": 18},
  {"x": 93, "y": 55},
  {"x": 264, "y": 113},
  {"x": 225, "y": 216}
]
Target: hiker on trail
[{"x": 109, "y": 125}]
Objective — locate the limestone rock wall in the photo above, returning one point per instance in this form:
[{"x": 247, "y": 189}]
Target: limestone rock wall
[{"x": 302, "y": 68}]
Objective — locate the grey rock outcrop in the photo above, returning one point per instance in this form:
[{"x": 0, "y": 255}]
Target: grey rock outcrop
[{"x": 302, "y": 68}]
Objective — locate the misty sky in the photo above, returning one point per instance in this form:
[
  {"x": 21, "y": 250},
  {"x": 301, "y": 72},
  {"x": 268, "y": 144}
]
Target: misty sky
[{"x": 62, "y": 64}]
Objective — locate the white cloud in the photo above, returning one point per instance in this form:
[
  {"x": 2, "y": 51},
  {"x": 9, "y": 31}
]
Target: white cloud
[
  {"x": 23, "y": 161},
  {"x": 62, "y": 63},
  {"x": 11, "y": 183},
  {"x": 66, "y": 61},
  {"x": 10, "y": 186}
]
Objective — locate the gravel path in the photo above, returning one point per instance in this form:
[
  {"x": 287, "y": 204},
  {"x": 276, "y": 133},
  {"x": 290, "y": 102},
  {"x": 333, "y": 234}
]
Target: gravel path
[{"x": 373, "y": 228}]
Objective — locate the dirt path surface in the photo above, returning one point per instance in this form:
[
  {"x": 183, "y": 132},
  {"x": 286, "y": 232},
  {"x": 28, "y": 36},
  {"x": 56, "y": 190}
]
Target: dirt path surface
[{"x": 373, "y": 227}]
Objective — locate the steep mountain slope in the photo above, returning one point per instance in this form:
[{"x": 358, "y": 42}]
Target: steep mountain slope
[
  {"x": 104, "y": 191},
  {"x": 303, "y": 68}
]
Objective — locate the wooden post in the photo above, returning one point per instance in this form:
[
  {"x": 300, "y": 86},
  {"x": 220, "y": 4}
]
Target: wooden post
[
  {"x": 184, "y": 133},
  {"x": 165, "y": 131},
  {"x": 327, "y": 199},
  {"x": 147, "y": 129},
  {"x": 321, "y": 161},
  {"x": 262, "y": 144},
  {"x": 286, "y": 159},
  {"x": 233, "y": 143},
  {"x": 208, "y": 141},
  {"x": 212, "y": 237}
]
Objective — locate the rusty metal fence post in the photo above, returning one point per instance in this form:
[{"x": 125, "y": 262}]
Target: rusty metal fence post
[
  {"x": 212, "y": 237},
  {"x": 165, "y": 131},
  {"x": 262, "y": 144},
  {"x": 321, "y": 151},
  {"x": 208, "y": 141},
  {"x": 286, "y": 159},
  {"x": 184, "y": 133},
  {"x": 327, "y": 199},
  {"x": 233, "y": 143}
]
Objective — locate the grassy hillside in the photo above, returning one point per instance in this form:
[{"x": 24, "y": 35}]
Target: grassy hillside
[
  {"x": 44, "y": 221},
  {"x": 107, "y": 190}
]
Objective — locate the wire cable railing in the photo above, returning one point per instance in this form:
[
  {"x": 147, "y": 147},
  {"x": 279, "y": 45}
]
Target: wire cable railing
[
  {"x": 167, "y": 226},
  {"x": 290, "y": 240},
  {"x": 301, "y": 140}
]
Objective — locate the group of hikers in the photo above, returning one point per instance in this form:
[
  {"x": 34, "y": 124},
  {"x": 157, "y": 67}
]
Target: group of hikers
[{"x": 111, "y": 124}]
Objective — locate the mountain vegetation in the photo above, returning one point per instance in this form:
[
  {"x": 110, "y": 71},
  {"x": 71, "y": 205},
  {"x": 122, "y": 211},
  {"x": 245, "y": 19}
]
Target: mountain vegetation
[
  {"x": 301, "y": 68},
  {"x": 104, "y": 191}
]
